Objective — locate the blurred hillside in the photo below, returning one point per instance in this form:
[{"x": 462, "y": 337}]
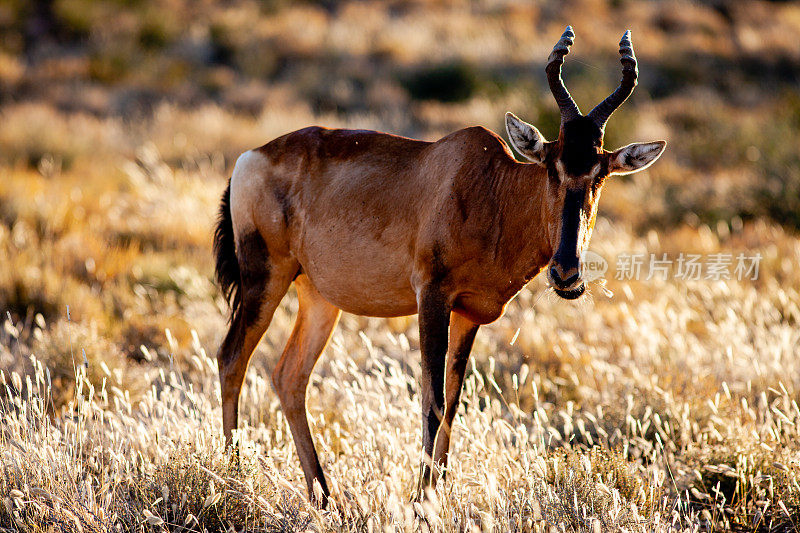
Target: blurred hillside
[{"x": 719, "y": 79}]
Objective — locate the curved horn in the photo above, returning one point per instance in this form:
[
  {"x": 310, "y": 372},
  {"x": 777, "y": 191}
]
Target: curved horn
[
  {"x": 569, "y": 110},
  {"x": 630, "y": 72}
]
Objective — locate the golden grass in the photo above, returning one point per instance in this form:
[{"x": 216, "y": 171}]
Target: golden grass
[{"x": 628, "y": 450}]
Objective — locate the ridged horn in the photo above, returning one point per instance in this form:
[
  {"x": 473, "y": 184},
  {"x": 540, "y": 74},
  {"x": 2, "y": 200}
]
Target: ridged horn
[
  {"x": 568, "y": 107},
  {"x": 630, "y": 72}
]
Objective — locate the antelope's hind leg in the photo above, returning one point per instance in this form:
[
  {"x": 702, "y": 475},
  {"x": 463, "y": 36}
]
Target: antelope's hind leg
[
  {"x": 316, "y": 318},
  {"x": 264, "y": 281}
]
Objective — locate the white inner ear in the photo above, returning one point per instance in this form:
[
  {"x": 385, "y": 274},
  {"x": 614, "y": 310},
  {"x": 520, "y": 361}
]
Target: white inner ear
[
  {"x": 525, "y": 138},
  {"x": 560, "y": 172},
  {"x": 636, "y": 157}
]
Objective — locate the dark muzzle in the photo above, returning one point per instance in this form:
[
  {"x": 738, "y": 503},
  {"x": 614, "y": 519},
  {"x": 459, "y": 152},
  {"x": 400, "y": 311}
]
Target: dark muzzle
[{"x": 566, "y": 282}]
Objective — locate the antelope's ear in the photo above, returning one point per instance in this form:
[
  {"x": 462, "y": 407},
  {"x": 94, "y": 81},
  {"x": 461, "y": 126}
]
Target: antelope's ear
[
  {"x": 525, "y": 138},
  {"x": 635, "y": 157}
]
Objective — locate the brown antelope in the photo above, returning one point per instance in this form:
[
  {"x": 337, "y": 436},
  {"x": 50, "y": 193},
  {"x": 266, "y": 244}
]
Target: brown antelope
[{"x": 381, "y": 225}]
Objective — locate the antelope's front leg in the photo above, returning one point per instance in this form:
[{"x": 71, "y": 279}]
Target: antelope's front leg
[
  {"x": 462, "y": 335},
  {"x": 434, "y": 316}
]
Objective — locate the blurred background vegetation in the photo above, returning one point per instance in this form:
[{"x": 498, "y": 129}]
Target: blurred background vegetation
[
  {"x": 120, "y": 121},
  {"x": 719, "y": 78}
]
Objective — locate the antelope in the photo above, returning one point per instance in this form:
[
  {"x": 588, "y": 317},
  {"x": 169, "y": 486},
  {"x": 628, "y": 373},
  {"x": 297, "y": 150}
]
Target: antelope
[{"x": 381, "y": 225}]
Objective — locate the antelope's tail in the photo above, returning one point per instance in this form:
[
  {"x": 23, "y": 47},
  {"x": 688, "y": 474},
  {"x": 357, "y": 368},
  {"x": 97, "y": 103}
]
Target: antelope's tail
[{"x": 227, "y": 265}]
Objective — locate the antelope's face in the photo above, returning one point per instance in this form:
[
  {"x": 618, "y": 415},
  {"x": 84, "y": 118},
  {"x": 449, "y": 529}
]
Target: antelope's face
[
  {"x": 576, "y": 169},
  {"x": 577, "y": 165}
]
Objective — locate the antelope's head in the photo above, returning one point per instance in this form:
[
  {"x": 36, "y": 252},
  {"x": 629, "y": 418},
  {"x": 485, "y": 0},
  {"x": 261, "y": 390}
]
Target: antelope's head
[{"x": 577, "y": 164}]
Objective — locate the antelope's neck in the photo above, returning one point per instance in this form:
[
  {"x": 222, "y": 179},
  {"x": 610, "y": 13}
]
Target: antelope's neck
[{"x": 523, "y": 244}]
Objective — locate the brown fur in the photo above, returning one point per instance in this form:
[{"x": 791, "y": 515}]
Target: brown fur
[{"x": 380, "y": 225}]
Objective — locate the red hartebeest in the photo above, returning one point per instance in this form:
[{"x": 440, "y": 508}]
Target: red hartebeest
[{"x": 380, "y": 225}]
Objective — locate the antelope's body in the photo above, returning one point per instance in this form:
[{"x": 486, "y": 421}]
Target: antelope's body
[
  {"x": 380, "y": 225},
  {"x": 421, "y": 210}
]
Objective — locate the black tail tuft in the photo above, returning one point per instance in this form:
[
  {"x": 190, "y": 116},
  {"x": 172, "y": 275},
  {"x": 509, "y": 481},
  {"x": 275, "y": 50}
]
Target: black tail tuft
[{"x": 227, "y": 268}]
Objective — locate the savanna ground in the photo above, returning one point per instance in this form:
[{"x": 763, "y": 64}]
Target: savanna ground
[{"x": 660, "y": 404}]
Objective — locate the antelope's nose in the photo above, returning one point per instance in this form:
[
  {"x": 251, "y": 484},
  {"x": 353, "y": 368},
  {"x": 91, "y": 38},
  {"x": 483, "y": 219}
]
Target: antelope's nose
[{"x": 562, "y": 279}]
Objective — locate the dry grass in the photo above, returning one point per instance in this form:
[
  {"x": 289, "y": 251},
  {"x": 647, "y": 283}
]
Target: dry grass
[{"x": 671, "y": 405}]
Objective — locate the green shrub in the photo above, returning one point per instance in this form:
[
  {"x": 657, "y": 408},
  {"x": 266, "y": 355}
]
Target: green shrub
[{"x": 449, "y": 82}]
